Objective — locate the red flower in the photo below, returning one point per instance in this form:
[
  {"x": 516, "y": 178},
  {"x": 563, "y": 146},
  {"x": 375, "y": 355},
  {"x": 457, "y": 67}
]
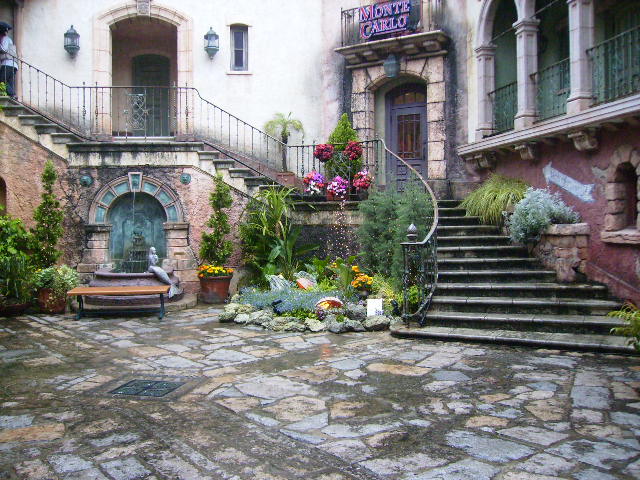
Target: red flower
[{"x": 323, "y": 152}]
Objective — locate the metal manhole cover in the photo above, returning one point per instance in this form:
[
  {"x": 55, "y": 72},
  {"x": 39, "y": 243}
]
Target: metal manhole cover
[{"x": 147, "y": 388}]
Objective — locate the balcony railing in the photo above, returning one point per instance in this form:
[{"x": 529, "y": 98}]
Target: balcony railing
[
  {"x": 505, "y": 105},
  {"x": 356, "y": 22},
  {"x": 616, "y": 66},
  {"x": 553, "y": 84}
]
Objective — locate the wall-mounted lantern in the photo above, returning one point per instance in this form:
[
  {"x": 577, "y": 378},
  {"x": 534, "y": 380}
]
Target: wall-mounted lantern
[
  {"x": 211, "y": 45},
  {"x": 392, "y": 66},
  {"x": 72, "y": 41}
]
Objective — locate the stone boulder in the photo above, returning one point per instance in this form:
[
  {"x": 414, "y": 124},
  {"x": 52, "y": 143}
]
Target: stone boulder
[
  {"x": 239, "y": 308},
  {"x": 314, "y": 325},
  {"x": 334, "y": 326},
  {"x": 355, "y": 311},
  {"x": 353, "y": 326},
  {"x": 260, "y": 317},
  {"x": 377, "y": 322},
  {"x": 226, "y": 317}
]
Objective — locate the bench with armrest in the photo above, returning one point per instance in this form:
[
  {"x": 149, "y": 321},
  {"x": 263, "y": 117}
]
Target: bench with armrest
[{"x": 127, "y": 291}]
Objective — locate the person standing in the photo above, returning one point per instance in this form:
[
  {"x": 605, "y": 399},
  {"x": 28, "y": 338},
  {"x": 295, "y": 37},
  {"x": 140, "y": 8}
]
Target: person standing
[{"x": 8, "y": 64}]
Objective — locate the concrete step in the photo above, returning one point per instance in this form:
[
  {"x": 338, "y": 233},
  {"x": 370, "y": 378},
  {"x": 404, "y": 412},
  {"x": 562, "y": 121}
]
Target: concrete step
[
  {"x": 209, "y": 154},
  {"x": 466, "y": 230},
  {"x": 552, "y": 340},
  {"x": 448, "y": 240},
  {"x": 458, "y": 221},
  {"x": 482, "y": 251},
  {"x": 519, "y": 263},
  {"x": 478, "y": 276},
  {"x": 240, "y": 172},
  {"x": 258, "y": 181},
  {"x": 223, "y": 163},
  {"x": 451, "y": 212},
  {"x": 448, "y": 203},
  {"x": 527, "y": 290},
  {"x": 65, "y": 137},
  {"x": 14, "y": 110},
  {"x": 31, "y": 119},
  {"x": 495, "y": 304},
  {"x": 44, "y": 128}
]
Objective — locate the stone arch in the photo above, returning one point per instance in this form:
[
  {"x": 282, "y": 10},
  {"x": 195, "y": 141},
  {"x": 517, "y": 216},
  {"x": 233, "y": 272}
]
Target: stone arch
[
  {"x": 484, "y": 26},
  {"x": 624, "y": 159},
  {"x": 135, "y": 182},
  {"x": 102, "y": 69}
]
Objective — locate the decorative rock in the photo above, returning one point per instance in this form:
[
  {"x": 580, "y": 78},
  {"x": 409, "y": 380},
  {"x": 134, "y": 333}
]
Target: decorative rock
[
  {"x": 239, "y": 308},
  {"x": 294, "y": 326},
  {"x": 243, "y": 318},
  {"x": 279, "y": 324},
  {"x": 226, "y": 317},
  {"x": 355, "y": 312},
  {"x": 377, "y": 322},
  {"x": 334, "y": 326},
  {"x": 353, "y": 325},
  {"x": 260, "y": 318},
  {"x": 314, "y": 325}
]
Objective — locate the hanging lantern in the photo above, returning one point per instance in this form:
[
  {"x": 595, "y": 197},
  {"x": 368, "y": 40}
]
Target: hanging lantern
[
  {"x": 391, "y": 66},
  {"x": 72, "y": 41},
  {"x": 211, "y": 45}
]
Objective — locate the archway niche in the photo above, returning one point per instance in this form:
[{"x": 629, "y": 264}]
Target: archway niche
[{"x": 3, "y": 197}]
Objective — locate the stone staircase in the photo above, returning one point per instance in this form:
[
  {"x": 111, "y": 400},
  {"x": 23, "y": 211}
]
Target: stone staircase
[
  {"x": 78, "y": 150},
  {"x": 492, "y": 291}
]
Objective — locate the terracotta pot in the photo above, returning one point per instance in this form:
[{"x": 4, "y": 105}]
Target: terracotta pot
[
  {"x": 48, "y": 305},
  {"x": 287, "y": 179},
  {"x": 332, "y": 197},
  {"x": 214, "y": 289},
  {"x": 13, "y": 309}
]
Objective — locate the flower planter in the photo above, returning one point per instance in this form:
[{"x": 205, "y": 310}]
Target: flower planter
[
  {"x": 332, "y": 197},
  {"x": 214, "y": 289},
  {"x": 288, "y": 179},
  {"x": 48, "y": 304}
]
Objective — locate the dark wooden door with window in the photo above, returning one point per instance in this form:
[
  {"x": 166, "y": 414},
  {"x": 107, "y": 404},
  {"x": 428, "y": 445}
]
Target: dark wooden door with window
[
  {"x": 150, "y": 96},
  {"x": 407, "y": 132}
]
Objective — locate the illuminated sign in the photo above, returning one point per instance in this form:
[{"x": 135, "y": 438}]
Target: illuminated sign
[{"x": 383, "y": 18}]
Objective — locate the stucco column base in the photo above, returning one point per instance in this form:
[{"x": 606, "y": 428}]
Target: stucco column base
[
  {"x": 180, "y": 256},
  {"x": 483, "y": 131},
  {"x": 579, "y": 103},
  {"x": 524, "y": 120}
]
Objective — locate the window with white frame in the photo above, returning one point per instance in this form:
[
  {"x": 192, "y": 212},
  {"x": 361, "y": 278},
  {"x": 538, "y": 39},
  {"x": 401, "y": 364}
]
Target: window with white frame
[{"x": 239, "y": 48}]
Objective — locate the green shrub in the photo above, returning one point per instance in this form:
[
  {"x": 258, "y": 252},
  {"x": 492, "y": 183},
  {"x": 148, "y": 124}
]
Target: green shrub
[
  {"x": 535, "y": 212},
  {"x": 631, "y": 314},
  {"x": 495, "y": 195},
  {"x": 386, "y": 217},
  {"x": 16, "y": 280},
  {"x": 286, "y": 301},
  {"x": 48, "y": 217},
  {"x": 14, "y": 238},
  {"x": 343, "y": 134},
  {"x": 214, "y": 249},
  {"x": 340, "y": 164},
  {"x": 60, "y": 279}
]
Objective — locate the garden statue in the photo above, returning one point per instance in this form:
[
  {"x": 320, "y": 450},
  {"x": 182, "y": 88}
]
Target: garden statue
[{"x": 160, "y": 273}]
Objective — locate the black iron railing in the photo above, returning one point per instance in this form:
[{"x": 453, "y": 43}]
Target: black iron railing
[
  {"x": 616, "y": 66},
  {"x": 553, "y": 86},
  {"x": 505, "y": 106},
  {"x": 356, "y": 22}
]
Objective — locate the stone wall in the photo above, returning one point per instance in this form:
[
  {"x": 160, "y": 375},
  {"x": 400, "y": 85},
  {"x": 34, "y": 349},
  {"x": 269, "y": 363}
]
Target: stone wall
[{"x": 564, "y": 248}]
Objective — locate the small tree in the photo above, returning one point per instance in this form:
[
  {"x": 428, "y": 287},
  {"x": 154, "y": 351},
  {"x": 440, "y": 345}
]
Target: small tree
[
  {"x": 339, "y": 138},
  {"x": 214, "y": 249},
  {"x": 48, "y": 217},
  {"x": 343, "y": 133},
  {"x": 281, "y": 125}
]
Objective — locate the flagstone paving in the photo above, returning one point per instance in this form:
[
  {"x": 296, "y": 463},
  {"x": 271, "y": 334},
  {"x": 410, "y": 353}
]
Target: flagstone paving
[{"x": 262, "y": 405}]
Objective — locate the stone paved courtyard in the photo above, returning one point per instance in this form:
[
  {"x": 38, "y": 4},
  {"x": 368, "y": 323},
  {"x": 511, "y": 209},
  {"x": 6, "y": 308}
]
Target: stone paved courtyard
[{"x": 262, "y": 405}]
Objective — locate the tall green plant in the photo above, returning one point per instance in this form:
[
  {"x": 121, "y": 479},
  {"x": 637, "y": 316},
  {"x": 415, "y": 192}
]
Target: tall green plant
[
  {"x": 215, "y": 249},
  {"x": 48, "y": 217},
  {"x": 16, "y": 280},
  {"x": 343, "y": 133},
  {"x": 282, "y": 125},
  {"x": 339, "y": 164},
  {"x": 268, "y": 235},
  {"x": 15, "y": 240},
  {"x": 495, "y": 196}
]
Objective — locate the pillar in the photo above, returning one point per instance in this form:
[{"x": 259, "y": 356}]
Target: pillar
[
  {"x": 527, "y": 65},
  {"x": 581, "y": 35},
  {"x": 485, "y": 64}
]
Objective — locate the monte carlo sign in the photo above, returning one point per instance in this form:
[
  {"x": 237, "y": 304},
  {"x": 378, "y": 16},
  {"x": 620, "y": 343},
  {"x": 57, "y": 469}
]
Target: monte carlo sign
[{"x": 383, "y": 18}]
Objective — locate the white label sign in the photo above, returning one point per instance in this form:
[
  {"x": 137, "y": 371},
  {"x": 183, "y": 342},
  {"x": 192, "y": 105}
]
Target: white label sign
[
  {"x": 374, "y": 307},
  {"x": 574, "y": 187}
]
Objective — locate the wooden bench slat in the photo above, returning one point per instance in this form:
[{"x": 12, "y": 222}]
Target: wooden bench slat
[{"x": 120, "y": 291}]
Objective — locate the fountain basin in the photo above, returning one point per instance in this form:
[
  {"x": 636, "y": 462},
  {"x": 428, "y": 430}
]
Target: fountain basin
[{"x": 109, "y": 278}]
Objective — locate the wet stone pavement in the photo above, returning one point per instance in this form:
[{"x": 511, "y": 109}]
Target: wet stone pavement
[{"x": 262, "y": 405}]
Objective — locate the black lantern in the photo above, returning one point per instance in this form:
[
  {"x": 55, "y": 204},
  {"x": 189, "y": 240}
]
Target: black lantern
[
  {"x": 72, "y": 41},
  {"x": 391, "y": 66},
  {"x": 211, "y": 43}
]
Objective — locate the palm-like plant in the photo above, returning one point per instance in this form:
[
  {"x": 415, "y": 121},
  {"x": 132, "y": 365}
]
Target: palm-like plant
[{"x": 283, "y": 125}]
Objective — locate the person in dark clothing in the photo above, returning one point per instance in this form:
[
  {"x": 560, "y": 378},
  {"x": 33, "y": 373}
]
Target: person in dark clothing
[{"x": 8, "y": 64}]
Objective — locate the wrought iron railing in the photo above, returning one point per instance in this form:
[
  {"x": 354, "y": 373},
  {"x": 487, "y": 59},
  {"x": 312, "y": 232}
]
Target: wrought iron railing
[
  {"x": 99, "y": 112},
  {"x": 505, "y": 106},
  {"x": 354, "y": 21},
  {"x": 553, "y": 86},
  {"x": 615, "y": 65}
]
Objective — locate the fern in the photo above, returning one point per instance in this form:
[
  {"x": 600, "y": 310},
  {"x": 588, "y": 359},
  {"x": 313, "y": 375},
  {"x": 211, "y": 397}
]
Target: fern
[
  {"x": 631, "y": 314},
  {"x": 495, "y": 195}
]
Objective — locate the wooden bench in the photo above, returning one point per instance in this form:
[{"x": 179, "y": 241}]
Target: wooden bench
[{"x": 128, "y": 291}]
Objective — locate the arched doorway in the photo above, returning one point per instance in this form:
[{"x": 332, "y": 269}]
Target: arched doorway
[
  {"x": 406, "y": 130},
  {"x": 137, "y": 224},
  {"x": 3, "y": 197},
  {"x": 151, "y": 80}
]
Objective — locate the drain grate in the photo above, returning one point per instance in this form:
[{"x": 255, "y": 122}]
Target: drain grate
[{"x": 147, "y": 388}]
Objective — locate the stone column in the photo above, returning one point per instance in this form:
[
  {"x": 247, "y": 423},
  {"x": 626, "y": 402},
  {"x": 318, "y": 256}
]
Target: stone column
[
  {"x": 485, "y": 65},
  {"x": 527, "y": 64},
  {"x": 96, "y": 252},
  {"x": 180, "y": 256},
  {"x": 581, "y": 34}
]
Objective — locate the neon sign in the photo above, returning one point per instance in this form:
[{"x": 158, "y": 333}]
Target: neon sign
[{"x": 383, "y": 18}]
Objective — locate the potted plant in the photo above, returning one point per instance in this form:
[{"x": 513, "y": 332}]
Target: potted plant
[
  {"x": 315, "y": 183},
  {"x": 362, "y": 284},
  {"x": 362, "y": 181},
  {"x": 16, "y": 285},
  {"x": 214, "y": 248},
  {"x": 282, "y": 125},
  {"x": 52, "y": 284},
  {"x": 337, "y": 189}
]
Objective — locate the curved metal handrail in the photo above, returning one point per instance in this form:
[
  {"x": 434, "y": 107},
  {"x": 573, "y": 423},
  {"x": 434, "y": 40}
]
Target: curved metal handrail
[{"x": 420, "y": 257}]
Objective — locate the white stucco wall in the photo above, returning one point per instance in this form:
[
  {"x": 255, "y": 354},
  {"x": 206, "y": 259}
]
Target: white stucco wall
[{"x": 292, "y": 66}]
